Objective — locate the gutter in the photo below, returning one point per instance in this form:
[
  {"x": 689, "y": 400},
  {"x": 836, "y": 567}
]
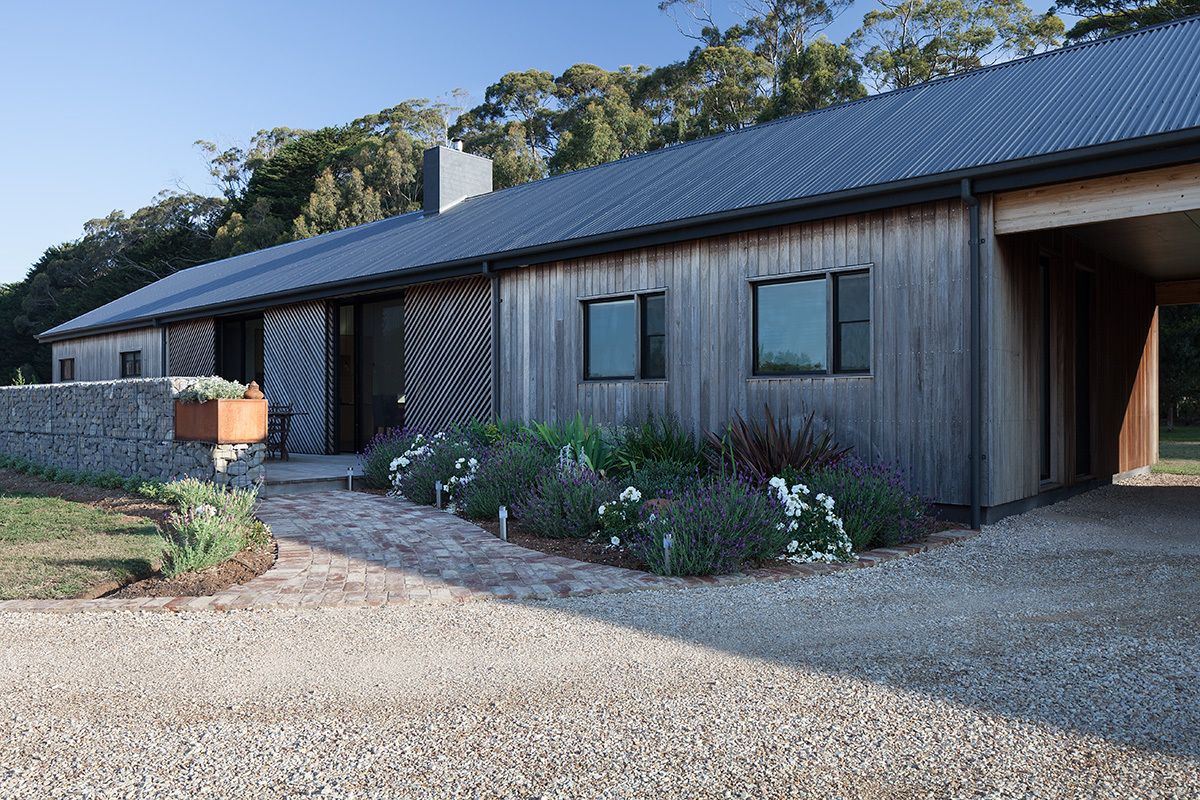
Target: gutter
[
  {"x": 975, "y": 447},
  {"x": 1128, "y": 155}
]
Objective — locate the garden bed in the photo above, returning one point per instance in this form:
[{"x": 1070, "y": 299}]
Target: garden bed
[
  {"x": 246, "y": 565},
  {"x": 578, "y": 549},
  {"x": 79, "y": 541},
  {"x": 649, "y": 496}
]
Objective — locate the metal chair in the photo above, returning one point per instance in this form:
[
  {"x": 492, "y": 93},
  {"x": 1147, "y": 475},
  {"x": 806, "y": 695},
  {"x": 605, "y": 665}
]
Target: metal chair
[{"x": 279, "y": 423}]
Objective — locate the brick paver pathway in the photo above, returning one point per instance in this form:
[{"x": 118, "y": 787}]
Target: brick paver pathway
[{"x": 354, "y": 549}]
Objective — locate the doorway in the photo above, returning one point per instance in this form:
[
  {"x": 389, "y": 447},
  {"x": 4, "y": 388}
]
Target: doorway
[
  {"x": 1067, "y": 396},
  {"x": 240, "y": 350},
  {"x": 370, "y": 375}
]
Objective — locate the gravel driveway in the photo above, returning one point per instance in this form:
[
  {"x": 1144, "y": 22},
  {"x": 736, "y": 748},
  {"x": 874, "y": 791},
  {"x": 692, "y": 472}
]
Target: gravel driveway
[{"x": 1058, "y": 655}]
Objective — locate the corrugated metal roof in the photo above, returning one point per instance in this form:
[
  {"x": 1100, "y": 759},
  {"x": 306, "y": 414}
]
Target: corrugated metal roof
[{"x": 1141, "y": 84}]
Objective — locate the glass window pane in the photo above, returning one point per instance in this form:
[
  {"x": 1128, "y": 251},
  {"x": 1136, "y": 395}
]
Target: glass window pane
[
  {"x": 654, "y": 315},
  {"x": 654, "y": 337},
  {"x": 854, "y": 347},
  {"x": 611, "y": 339},
  {"x": 790, "y": 321},
  {"x": 854, "y": 297},
  {"x": 382, "y": 380}
]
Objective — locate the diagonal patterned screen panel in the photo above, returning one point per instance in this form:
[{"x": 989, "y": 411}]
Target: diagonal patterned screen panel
[
  {"x": 295, "y": 371},
  {"x": 192, "y": 348},
  {"x": 447, "y": 352}
]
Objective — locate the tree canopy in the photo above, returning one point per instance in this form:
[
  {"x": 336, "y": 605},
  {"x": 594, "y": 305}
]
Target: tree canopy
[{"x": 772, "y": 58}]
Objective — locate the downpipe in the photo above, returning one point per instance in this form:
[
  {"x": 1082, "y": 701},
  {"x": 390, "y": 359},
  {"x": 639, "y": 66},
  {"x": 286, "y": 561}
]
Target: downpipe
[{"x": 974, "y": 248}]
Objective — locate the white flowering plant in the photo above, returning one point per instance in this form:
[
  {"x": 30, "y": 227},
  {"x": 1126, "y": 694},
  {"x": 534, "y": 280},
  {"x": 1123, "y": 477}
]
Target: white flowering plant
[
  {"x": 619, "y": 516},
  {"x": 441, "y": 457},
  {"x": 810, "y": 529}
]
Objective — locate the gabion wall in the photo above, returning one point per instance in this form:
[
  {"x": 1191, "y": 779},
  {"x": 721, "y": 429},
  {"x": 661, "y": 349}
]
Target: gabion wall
[{"x": 124, "y": 426}]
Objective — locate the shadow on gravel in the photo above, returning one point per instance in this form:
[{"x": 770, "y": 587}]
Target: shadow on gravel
[{"x": 1083, "y": 616}]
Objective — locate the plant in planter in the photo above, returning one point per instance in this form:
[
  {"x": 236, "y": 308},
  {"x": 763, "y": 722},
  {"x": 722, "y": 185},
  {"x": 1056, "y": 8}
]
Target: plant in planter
[{"x": 215, "y": 410}]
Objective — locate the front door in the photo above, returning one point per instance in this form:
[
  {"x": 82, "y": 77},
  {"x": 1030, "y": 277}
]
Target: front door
[{"x": 370, "y": 371}]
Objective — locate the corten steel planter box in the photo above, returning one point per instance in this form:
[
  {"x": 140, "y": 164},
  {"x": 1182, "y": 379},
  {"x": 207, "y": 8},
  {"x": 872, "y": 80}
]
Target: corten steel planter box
[{"x": 221, "y": 421}]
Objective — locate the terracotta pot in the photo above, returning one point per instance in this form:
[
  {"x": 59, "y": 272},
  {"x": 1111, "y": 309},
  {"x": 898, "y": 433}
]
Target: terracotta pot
[{"x": 222, "y": 421}]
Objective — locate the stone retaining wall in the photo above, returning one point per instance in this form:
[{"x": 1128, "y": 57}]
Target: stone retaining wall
[{"x": 123, "y": 426}]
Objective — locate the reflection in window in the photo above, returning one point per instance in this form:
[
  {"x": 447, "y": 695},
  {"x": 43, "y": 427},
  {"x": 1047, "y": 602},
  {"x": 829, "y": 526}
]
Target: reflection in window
[
  {"x": 610, "y": 334},
  {"x": 789, "y": 327}
]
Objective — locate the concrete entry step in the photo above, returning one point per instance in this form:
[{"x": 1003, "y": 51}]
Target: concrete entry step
[{"x": 304, "y": 473}]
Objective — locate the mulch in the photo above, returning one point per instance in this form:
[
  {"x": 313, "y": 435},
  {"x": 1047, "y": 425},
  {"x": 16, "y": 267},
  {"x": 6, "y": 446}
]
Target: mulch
[
  {"x": 594, "y": 552},
  {"x": 250, "y": 563}
]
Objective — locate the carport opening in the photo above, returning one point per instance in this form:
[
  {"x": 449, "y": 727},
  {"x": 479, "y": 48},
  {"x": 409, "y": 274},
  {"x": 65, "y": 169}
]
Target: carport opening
[
  {"x": 1090, "y": 305},
  {"x": 1179, "y": 389}
]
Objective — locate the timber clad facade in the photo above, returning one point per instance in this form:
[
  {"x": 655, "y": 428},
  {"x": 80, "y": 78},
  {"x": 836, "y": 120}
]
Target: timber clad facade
[{"x": 978, "y": 305}]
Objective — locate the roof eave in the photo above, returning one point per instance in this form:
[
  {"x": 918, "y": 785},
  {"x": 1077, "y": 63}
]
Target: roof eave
[{"x": 1127, "y": 155}]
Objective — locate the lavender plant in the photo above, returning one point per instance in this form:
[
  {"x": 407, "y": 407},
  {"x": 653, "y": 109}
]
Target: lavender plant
[
  {"x": 874, "y": 501},
  {"x": 564, "y": 504},
  {"x": 507, "y": 474},
  {"x": 712, "y": 528}
]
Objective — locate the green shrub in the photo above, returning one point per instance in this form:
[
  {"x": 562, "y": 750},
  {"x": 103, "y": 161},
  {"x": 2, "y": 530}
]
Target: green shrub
[
  {"x": 660, "y": 439},
  {"x": 380, "y": 452},
  {"x": 439, "y": 458},
  {"x": 583, "y": 442},
  {"x": 873, "y": 501},
  {"x": 202, "y": 390},
  {"x": 664, "y": 478},
  {"x": 493, "y": 432},
  {"x": 211, "y": 524},
  {"x": 564, "y": 504},
  {"x": 506, "y": 475}
]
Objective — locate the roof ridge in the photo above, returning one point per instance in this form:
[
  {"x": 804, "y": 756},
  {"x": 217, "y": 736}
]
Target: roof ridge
[{"x": 924, "y": 85}]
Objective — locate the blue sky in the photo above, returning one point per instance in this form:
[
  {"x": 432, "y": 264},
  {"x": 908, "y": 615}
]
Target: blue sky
[{"x": 102, "y": 101}]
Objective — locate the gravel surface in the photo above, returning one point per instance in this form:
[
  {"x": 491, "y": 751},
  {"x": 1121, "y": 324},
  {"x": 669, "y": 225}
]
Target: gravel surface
[{"x": 1055, "y": 656}]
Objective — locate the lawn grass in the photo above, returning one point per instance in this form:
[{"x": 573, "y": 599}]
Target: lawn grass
[
  {"x": 1179, "y": 450},
  {"x": 54, "y": 548}
]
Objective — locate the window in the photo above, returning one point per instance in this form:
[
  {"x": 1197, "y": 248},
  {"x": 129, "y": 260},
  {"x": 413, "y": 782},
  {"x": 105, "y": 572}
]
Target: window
[
  {"x": 66, "y": 369},
  {"x": 654, "y": 336},
  {"x": 852, "y": 322},
  {"x": 795, "y": 320},
  {"x": 131, "y": 364},
  {"x": 625, "y": 338}
]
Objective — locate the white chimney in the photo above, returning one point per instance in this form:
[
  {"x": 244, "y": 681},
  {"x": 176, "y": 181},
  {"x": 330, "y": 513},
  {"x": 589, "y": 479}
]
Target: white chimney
[{"x": 452, "y": 176}]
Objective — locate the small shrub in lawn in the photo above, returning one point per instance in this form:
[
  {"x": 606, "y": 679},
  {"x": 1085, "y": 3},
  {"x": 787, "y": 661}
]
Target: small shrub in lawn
[
  {"x": 714, "y": 527},
  {"x": 874, "y": 502},
  {"x": 564, "y": 504},
  {"x": 658, "y": 439},
  {"x": 210, "y": 525},
  {"x": 506, "y": 475},
  {"x": 384, "y": 448}
]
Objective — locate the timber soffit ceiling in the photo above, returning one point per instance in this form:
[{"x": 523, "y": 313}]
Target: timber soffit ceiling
[{"x": 1142, "y": 84}]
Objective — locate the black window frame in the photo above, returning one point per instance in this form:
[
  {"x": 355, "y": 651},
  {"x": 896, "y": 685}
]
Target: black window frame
[
  {"x": 61, "y": 375},
  {"x": 832, "y": 350},
  {"x": 639, "y": 299},
  {"x": 135, "y": 358},
  {"x": 836, "y": 322}
]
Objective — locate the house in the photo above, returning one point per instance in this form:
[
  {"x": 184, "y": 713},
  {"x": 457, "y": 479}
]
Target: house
[{"x": 961, "y": 276}]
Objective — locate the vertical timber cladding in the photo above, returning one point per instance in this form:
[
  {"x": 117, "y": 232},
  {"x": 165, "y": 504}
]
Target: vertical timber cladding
[
  {"x": 295, "y": 369},
  {"x": 447, "y": 352},
  {"x": 191, "y": 347},
  {"x": 912, "y": 409}
]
